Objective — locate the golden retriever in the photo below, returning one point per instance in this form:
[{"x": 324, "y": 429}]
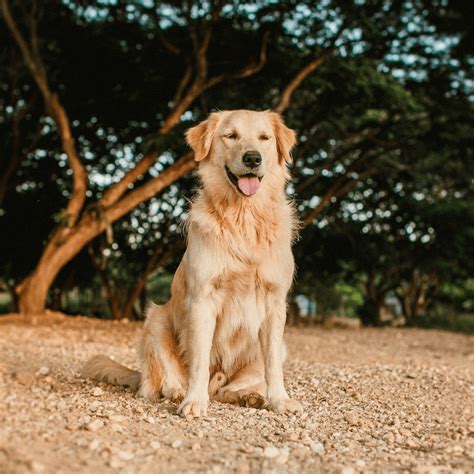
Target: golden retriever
[{"x": 221, "y": 333}]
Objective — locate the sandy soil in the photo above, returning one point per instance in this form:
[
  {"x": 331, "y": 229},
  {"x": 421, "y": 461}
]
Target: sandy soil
[{"x": 386, "y": 400}]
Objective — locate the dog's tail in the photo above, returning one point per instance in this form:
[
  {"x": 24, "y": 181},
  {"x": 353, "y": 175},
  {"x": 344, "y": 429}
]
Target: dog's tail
[{"x": 103, "y": 369}]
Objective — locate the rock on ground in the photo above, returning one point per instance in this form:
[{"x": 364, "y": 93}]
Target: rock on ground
[{"x": 386, "y": 400}]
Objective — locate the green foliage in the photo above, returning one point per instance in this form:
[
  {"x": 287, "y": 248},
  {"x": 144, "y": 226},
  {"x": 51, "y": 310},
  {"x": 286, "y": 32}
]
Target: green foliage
[
  {"x": 5, "y": 302},
  {"x": 158, "y": 287},
  {"x": 446, "y": 319}
]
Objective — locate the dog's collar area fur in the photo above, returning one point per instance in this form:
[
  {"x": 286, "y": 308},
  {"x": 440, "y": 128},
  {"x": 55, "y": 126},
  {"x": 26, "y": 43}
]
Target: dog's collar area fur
[{"x": 234, "y": 179}]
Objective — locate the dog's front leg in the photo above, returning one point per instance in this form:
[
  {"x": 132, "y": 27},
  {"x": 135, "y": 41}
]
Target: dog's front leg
[
  {"x": 202, "y": 322},
  {"x": 271, "y": 338}
]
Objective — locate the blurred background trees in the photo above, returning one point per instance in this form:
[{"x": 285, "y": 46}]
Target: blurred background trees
[{"x": 95, "y": 175}]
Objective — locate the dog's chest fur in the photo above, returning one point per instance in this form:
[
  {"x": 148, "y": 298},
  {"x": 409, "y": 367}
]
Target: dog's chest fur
[{"x": 243, "y": 278}]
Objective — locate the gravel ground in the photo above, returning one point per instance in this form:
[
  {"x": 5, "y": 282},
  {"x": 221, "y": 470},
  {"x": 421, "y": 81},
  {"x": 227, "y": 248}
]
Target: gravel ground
[{"x": 387, "y": 400}]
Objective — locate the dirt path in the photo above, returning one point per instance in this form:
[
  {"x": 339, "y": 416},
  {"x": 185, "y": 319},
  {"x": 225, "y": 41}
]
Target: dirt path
[{"x": 375, "y": 401}]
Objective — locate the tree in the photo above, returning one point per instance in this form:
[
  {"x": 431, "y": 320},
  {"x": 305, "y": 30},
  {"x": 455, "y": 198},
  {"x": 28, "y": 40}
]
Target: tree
[{"x": 362, "y": 117}]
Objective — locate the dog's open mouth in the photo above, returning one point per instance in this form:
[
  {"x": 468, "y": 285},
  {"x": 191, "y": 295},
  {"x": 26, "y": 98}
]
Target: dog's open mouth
[{"x": 247, "y": 184}]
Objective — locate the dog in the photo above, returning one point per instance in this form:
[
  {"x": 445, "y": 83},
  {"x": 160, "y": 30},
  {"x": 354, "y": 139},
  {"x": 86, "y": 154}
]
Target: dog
[{"x": 220, "y": 336}]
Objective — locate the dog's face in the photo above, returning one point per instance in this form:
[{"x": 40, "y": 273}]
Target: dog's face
[{"x": 242, "y": 147}]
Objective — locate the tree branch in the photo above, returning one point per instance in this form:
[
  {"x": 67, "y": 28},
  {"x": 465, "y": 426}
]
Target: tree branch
[
  {"x": 181, "y": 167},
  {"x": 57, "y": 111},
  {"x": 339, "y": 188},
  {"x": 161, "y": 254},
  {"x": 301, "y": 75},
  {"x": 330, "y": 163},
  {"x": 342, "y": 185},
  {"x": 247, "y": 70},
  {"x": 183, "y": 83},
  {"x": 117, "y": 190},
  {"x": 166, "y": 43}
]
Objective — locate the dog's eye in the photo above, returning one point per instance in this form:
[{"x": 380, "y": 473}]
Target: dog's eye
[
  {"x": 231, "y": 136},
  {"x": 264, "y": 137}
]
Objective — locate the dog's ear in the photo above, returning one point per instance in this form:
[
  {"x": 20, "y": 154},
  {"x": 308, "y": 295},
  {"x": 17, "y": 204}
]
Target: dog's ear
[
  {"x": 285, "y": 137},
  {"x": 200, "y": 137}
]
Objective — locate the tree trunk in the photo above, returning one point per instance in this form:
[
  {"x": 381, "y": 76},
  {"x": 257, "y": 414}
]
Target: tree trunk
[
  {"x": 159, "y": 257},
  {"x": 13, "y": 298},
  {"x": 293, "y": 311},
  {"x": 135, "y": 294},
  {"x": 112, "y": 299},
  {"x": 67, "y": 242},
  {"x": 369, "y": 312},
  {"x": 418, "y": 294},
  {"x": 33, "y": 291},
  {"x": 56, "y": 299},
  {"x": 143, "y": 302},
  {"x": 406, "y": 306}
]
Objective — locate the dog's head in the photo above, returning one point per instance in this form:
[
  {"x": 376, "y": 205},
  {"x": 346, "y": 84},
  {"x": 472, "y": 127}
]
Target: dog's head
[{"x": 243, "y": 149}]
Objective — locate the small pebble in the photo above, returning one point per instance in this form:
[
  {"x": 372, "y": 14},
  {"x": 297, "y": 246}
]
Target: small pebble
[
  {"x": 43, "y": 370},
  {"x": 117, "y": 418},
  {"x": 155, "y": 445},
  {"x": 347, "y": 470},
  {"x": 125, "y": 455},
  {"x": 95, "y": 425},
  {"x": 352, "y": 419},
  {"x": 115, "y": 463},
  {"x": 94, "y": 406},
  {"x": 317, "y": 448},
  {"x": 37, "y": 467},
  {"x": 271, "y": 452},
  {"x": 94, "y": 445},
  {"x": 177, "y": 443}
]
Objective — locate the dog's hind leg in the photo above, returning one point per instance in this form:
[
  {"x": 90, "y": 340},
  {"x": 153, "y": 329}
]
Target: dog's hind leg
[
  {"x": 163, "y": 373},
  {"x": 246, "y": 388}
]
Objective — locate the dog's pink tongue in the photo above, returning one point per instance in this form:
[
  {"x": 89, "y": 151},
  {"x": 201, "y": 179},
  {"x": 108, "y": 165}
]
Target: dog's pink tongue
[{"x": 248, "y": 185}]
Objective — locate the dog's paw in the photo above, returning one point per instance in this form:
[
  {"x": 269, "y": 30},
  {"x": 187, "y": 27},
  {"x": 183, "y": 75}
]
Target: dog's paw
[
  {"x": 251, "y": 399},
  {"x": 191, "y": 408},
  {"x": 175, "y": 394},
  {"x": 146, "y": 390},
  {"x": 285, "y": 405}
]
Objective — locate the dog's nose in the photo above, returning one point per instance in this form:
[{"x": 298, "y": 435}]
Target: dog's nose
[{"x": 252, "y": 159}]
